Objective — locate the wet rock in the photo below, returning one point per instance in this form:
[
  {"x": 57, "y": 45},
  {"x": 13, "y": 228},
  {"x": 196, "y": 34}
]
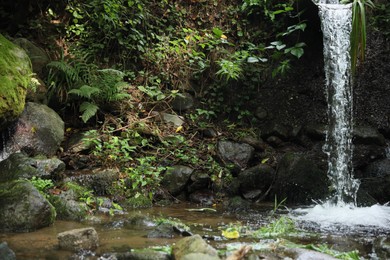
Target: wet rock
[
  {"x": 176, "y": 178},
  {"x": 256, "y": 181},
  {"x": 367, "y": 135},
  {"x": 261, "y": 113},
  {"x": 200, "y": 181},
  {"x": 146, "y": 254},
  {"x": 99, "y": 180},
  {"x": 38, "y": 57},
  {"x": 237, "y": 153},
  {"x": 279, "y": 130},
  {"x": 38, "y": 131},
  {"x": 364, "y": 154},
  {"x": 203, "y": 197},
  {"x": 78, "y": 239},
  {"x": 274, "y": 141},
  {"x": 193, "y": 245},
  {"x": 15, "y": 76},
  {"x": 6, "y": 253},
  {"x": 237, "y": 204},
  {"x": 375, "y": 180},
  {"x": 164, "y": 230},
  {"x": 23, "y": 208},
  {"x": 305, "y": 254},
  {"x": 19, "y": 165},
  {"x": 139, "y": 221},
  {"x": 299, "y": 179},
  {"x": 197, "y": 256},
  {"x": 68, "y": 207},
  {"x": 316, "y": 131},
  {"x": 183, "y": 102}
]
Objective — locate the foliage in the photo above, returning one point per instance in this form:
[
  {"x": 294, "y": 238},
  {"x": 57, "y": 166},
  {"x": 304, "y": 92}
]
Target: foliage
[
  {"x": 93, "y": 87},
  {"x": 42, "y": 185},
  {"x": 359, "y": 31},
  {"x": 278, "y": 227},
  {"x": 324, "y": 248}
]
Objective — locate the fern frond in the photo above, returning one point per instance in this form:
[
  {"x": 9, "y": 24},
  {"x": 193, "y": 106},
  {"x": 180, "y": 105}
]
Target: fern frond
[
  {"x": 88, "y": 110},
  {"x": 85, "y": 91}
]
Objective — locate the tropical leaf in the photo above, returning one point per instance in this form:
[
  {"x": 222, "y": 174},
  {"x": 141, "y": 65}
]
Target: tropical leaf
[{"x": 88, "y": 110}]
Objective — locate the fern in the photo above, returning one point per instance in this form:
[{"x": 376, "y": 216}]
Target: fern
[
  {"x": 88, "y": 110},
  {"x": 85, "y": 91}
]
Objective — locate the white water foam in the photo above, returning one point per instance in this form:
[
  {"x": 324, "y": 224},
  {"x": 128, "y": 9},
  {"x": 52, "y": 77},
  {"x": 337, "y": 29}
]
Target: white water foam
[{"x": 327, "y": 215}]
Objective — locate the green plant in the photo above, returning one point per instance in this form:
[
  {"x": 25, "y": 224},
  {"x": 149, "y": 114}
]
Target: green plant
[
  {"x": 359, "y": 31},
  {"x": 278, "y": 227},
  {"x": 42, "y": 185},
  {"x": 324, "y": 248}
]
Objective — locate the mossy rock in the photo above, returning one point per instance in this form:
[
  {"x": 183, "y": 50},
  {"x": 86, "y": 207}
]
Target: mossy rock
[
  {"x": 15, "y": 76},
  {"x": 23, "y": 208}
]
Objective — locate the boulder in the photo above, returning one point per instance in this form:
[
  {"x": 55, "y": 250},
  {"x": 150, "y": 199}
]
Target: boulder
[
  {"x": 375, "y": 180},
  {"x": 237, "y": 153},
  {"x": 203, "y": 197},
  {"x": 256, "y": 181},
  {"x": 146, "y": 254},
  {"x": 38, "y": 57},
  {"x": 183, "y": 102},
  {"x": 15, "y": 76},
  {"x": 19, "y": 165},
  {"x": 78, "y": 239},
  {"x": 23, "y": 208},
  {"x": 38, "y": 131},
  {"x": 99, "y": 180},
  {"x": 193, "y": 245},
  {"x": 68, "y": 206},
  {"x": 368, "y": 135},
  {"x": 299, "y": 179},
  {"x": 176, "y": 178},
  {"x": 6, "y": 253}
]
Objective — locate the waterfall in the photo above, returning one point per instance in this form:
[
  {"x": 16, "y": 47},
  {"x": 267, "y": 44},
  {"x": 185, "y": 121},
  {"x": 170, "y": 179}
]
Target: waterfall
[
  {"x": 341, "y": 209},
  {"x": 336, "y": 25}
]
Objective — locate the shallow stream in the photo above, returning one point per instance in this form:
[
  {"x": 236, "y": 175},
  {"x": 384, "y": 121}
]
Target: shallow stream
[{"x": 115, "y": 236}]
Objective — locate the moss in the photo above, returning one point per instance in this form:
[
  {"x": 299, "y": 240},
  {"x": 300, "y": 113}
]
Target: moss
[
  {"x": 15, "y": 76},
  {"x": 139, "y": 202}
]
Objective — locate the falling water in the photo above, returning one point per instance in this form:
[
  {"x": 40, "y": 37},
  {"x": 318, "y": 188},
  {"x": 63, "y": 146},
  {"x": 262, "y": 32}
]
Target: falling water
[{"x": 336, "y": 24}]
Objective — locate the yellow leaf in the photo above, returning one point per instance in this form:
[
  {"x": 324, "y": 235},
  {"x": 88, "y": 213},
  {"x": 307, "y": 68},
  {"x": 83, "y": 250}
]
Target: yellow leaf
[
  {"x": 230, "y": 233},
  {"x": 223, "y": 37},
  {"x": 180, "y": 128},
  {"x": 264, "y": 160}
]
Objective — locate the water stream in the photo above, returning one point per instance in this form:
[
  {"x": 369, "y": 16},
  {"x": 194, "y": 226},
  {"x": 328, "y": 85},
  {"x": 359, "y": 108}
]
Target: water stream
[{"x": 341, "y": 208}]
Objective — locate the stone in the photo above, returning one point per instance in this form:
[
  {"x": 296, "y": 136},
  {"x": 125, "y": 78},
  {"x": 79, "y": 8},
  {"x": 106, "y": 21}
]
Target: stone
[
  {"x": 15, "y": 77},
  {"x": 78, "y": 239},
  {"x": 77, "y": 142},
  {"x": 164, "y": 230},
  {"x": 203, "y": 197},
  {"x": 375, "y": 180},
  {"x": 67, "y": 207},
  {"x": 183, "y": 102},
  {"x": 368, "y": 135},
  {"x": 146, "y": 254},
  {"x": 299, "y": 179},
  {"x": 99, "y": 180},
  {"x": 261, "y": 113},
  {"x": 176, "y": 178},
  {"x": 237, "y": 153},
  {"x": 19, "y": 165},
  {"x": 237, "y": 204},
  {"x": 38, "y": 56},
  {"x": 6, "y": 253},
  {"x": 193, "y": 244},
  {"x": 199, "y": 181},
  {"x": 197, "y": 256},
  {"x": 38, "y": 131},
  {"x": 316, "y": 131},
  {"x": 23, "y": 208},
  {"x": 256, "y": 181},
  {"x": 279, "y": 130}
]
